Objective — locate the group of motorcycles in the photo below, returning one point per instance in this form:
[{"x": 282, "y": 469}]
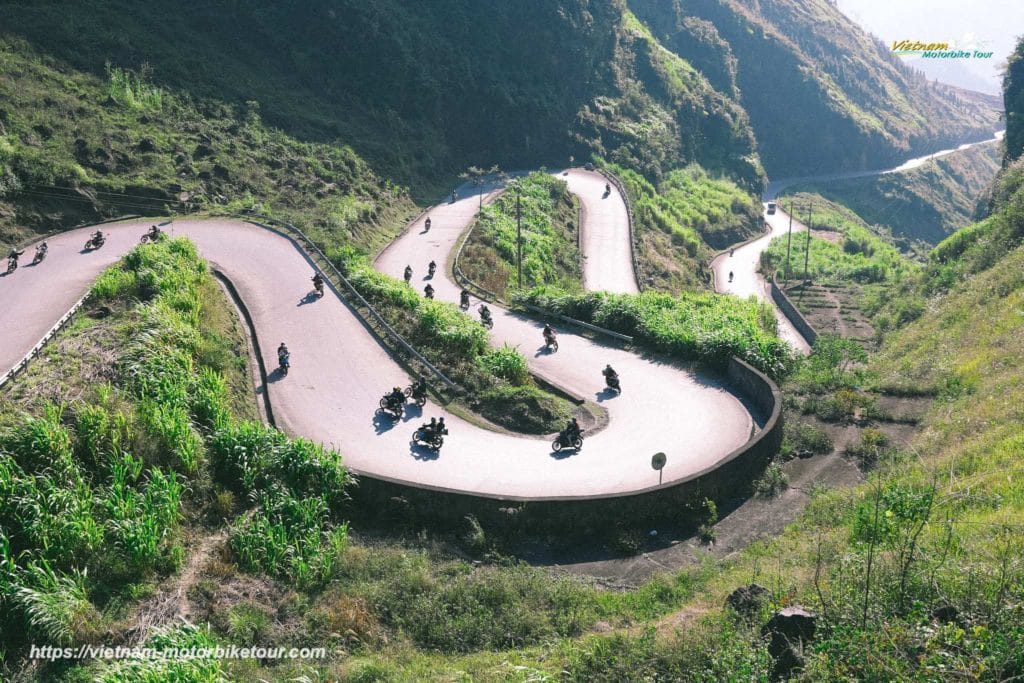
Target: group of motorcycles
[
  {"x": 96, "y": 240},
  {"x": 393, "y": 405}
]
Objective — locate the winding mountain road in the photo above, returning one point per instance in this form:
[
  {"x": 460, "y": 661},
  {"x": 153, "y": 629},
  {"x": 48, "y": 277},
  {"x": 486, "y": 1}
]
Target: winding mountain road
[
  {"x": 743, "y": 262},
  {"x": 340, "y": 371}
]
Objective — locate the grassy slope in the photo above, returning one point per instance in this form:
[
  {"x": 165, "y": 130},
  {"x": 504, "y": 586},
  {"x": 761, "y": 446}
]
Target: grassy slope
[
  {"x": 858, "y": 254},
  {"x": 854, "y": 105},
  {"x": 681, "y": 219},
  {"x": 76, "y": 147},
  {"x": 550, "y": 217},
  {"x": 421, "y": 90},
  {"x": 925, "y": 204}
]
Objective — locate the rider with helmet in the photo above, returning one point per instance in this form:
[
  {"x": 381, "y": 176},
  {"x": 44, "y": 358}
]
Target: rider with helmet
[
  {"x": 408, "y": 274},
  {"x": 428, "y": 291}
]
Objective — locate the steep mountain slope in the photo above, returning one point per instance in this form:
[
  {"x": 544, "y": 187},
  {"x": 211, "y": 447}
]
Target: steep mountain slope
[
  {"x": 924, "y": 204},
  {"x": 822, "y": 94},
  {"x": 422, "y": 89}
]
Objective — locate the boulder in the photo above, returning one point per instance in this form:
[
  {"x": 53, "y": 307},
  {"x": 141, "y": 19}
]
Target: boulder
[
  {"x": 748, "y": 600},
  {"x": 788, "y": 632}
]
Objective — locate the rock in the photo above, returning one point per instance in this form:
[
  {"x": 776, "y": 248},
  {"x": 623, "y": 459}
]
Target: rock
[
  {"x": 202, "y": 151},
  {"x": 748, "y": 600},
  {"x": 946, "y": 614},
  {"x": 789, "y": 631}
]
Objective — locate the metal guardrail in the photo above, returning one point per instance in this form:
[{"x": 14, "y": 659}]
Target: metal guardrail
[
  {"x": 574, "y": 321},
  {"x": 34, "y": 351},
  {"x": 316, "y": 251},
  {"x": 614, "y": 179}
]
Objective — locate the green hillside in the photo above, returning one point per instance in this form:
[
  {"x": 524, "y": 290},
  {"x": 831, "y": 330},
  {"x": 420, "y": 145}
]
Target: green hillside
[
  {"x": 822, "y": 95},
  {"x": 924, "y": 204}
]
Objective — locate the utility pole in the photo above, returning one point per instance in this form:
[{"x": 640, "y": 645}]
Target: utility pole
[
  {"x": 789, "y": 240},
  {"x": 807, "y": 253},
  {"x": 519, "y": 237}
]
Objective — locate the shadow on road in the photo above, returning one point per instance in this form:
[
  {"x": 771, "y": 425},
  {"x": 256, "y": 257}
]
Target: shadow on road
[
  {"x": 383, "y": 421},
  {"x": 544, "y": 351},
  {"x": 308, "y": 299},
  {"x": 412, "y": 412},
  {"x": 564, "y": 453},
  {"x": 421, "y": 452},
  {"x": 275, "y": 376},
  {"x": 605, "y": 394}
]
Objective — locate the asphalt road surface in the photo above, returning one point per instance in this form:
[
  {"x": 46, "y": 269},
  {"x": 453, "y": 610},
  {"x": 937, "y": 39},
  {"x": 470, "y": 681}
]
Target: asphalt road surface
[{"x": 339, "y": 371}]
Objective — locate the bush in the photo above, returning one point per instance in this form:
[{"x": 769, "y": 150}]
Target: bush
[
  {"x": 506, "y": 363},
  {"x": 773, "y": 482},
  {"x": 693, "y": 326},
  {"x": 525, "y": 409}
]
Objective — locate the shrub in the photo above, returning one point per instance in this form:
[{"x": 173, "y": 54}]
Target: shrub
[
  {"x": 506, "y": 363},
  {"x": 773, "y": 482}
]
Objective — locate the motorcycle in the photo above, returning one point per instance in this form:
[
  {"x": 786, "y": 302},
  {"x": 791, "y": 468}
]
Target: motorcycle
[
  {"x": 39, "y": 256},
  {"x": 408, "y": 275},
  {"x": 150, "y": 237},
  {"x": 551, "y": 342},
  {"x": 95, "y": 242},
  {"x": 418, "y": 397},
  {"x": 431, "y": 269},
  {"x": 392, "y": 406},
  {"x": 12, "y": 264},
  {"x": 487, "y": 321},
  {"x": 318, "y": 285},
  {"x": 284, "y": 362},
  {"x": 730, "y": 276},
  {"x": 431, "y": 441},
  {"x": 563, "y": 441},
  {"x": 426, "y": 225},
  {"x": 613, "y": 383},
  {"x": 464, "y": 304}
]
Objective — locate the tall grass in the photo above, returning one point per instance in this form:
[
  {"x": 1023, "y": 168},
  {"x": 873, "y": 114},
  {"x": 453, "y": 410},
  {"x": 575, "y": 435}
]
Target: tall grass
[
  {"x": 133, "y": 90},
  {"x": 691, "y": 326}
]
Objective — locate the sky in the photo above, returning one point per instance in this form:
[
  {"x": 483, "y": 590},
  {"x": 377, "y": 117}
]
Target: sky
[{"x": 986, "y": 25}]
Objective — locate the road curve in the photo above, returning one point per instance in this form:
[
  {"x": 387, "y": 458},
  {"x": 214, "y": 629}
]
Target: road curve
[
  {"x": 605, "y": 239},
  {"x": 743, "y": 262},
  {"x": 340, "y": 371}
]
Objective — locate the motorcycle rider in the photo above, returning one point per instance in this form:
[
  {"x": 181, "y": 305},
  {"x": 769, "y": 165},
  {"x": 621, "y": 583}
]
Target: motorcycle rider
[
  {"x": 41, "y": 251},
  {"x": 431, "y": 268},
  {"x": 283, "y": 355},
  {"x": 408, "y": 274},
  {"x": 454, "y": 195},
  {"x": 607, "y": 188},
  {"x": 396, "y": 398},
  {"x": 97, "y": 238},
  {"x": 441, "y": 429},
  {"x": 428, "y": 291},
  {"x": 464, "y": 298},
  {"x": 730, "y": 276},
  {"x": 426, "y": 224},
  {"x": 428, "y": 429},
  {"x": 485, "y": 313},
  {"x": 419, "y": 388},
  {"x": 609, "y": 374},
  {"x": 572, "y": 431},
  {"x": 549, "y": 334},
  {"x": 318, "y": 283},
  {"x": 154, "y": 233}
]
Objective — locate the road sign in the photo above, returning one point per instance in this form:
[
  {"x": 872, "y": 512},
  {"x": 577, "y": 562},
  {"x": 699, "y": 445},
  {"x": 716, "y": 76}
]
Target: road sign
[{"x": 658, "y": 461}]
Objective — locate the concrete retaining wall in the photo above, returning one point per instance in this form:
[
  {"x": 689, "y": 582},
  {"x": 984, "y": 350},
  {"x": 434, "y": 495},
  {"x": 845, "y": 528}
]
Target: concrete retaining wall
[{"x": 790, "y": 311}]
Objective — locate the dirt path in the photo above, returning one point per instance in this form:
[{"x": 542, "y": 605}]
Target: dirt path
[{"x": 170, "y": 604}]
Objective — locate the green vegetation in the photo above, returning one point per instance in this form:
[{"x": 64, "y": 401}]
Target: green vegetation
[
  {"x": 692, "y": 326},
  {"x": 550, "y": 219},
  {"x": 135, "y": 147},
  {"x": 923, "y": 205},
  {"x": 676, "y": 221},
  {"x": 849, "y": 252},
  {"x": 457, "y": 345},
  {"x": 93, "y": 491},
  {"x": 851, "y": 104}
]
